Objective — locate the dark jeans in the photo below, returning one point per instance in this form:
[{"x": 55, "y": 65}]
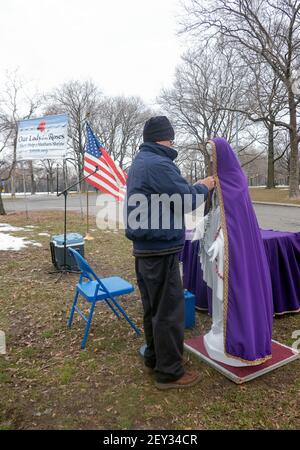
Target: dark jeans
[{"x": 161, "y": 290}]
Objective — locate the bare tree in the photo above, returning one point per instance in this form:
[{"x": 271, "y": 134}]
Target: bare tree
[
  {"x": 49, "y": 166},
  {"x": 119, "y": 124},
  {"x": 201, "y": 85},
  {"x": 80, "y": 101},
  {"x": 268, "y": 103},
  {"x": 269, "y": 30},
  {"x": 191, "y": 161},
  {"x": 263, "y": 99},
  {"x": 15, "y": 105}
]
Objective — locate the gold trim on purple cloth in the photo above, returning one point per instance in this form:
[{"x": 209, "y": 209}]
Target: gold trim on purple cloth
[{"x": 257, "y": 361}]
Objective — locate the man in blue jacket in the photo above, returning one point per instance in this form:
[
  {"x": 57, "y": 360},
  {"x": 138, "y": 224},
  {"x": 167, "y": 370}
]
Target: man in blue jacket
[{"x": 157, "y": 239}]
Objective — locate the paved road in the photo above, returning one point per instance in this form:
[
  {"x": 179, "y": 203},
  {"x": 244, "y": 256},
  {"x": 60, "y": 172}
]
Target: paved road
[
  {"x": 270, "y": 217},
  {"x": 285, "y": 218}
]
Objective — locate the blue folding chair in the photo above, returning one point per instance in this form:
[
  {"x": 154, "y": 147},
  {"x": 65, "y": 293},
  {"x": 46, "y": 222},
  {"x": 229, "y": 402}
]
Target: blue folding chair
[{"x": 95, "y": 290}]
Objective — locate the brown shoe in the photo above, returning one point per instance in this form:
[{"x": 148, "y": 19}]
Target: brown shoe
[
  {"x": 188, "y": 379},
  {"x": 151, "y": 371}
]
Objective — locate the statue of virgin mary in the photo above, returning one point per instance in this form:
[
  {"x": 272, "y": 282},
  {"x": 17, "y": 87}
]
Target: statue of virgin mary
[{"x": 235, "y": 267}]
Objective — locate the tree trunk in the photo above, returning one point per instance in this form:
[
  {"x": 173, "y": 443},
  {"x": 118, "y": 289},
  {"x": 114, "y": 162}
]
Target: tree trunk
[
  {"x": 12, "y": 183},
  {"x": 13, "y": 172},
  {"x": 32, "y": 180},
  {"x": 82, "y": 186},
  {"x": 294, "y": 161},
  {"x": 2, "y": 209},
  {"x": 191, "y": 173},
  {"x": 271, "y": 177},
  {"x": 51, "y": 180}
]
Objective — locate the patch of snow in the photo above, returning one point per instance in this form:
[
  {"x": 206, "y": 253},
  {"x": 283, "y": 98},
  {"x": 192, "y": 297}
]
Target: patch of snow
[
  {"x": 28, "y": 194},
  {"x": 44, "y": 234},
  {"x": 7, "y": 227},
  {"x": 8, "y": 242}
]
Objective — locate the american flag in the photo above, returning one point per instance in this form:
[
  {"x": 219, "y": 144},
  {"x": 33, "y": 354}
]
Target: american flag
[{"x": 109, "y": 178}]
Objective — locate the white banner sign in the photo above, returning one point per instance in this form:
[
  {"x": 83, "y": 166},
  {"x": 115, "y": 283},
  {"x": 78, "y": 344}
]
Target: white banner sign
[{"x": 43, "y": 138}]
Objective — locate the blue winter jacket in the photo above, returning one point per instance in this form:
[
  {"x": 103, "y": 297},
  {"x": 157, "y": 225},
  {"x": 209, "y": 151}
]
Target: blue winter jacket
[{"x": 154, "y": 172}]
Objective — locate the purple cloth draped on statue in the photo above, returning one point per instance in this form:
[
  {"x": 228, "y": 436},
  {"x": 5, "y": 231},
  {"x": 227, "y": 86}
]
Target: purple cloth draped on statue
[
  {"x": 248, "y": 306},
  {"x": 283, "y": 255}
]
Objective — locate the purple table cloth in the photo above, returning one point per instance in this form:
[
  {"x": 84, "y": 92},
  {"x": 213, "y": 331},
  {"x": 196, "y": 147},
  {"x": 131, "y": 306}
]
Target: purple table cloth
[{"x": 283, "y": 254}]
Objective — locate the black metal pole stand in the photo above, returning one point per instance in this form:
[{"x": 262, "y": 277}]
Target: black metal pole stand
[{"x": 65, "y": 268}]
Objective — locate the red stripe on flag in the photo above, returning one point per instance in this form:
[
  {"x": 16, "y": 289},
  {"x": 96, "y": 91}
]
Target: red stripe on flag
[
  {"x": 101, "y": 168},
  {"x": 96, "y": 185},
  {"x": 112, "y": 165},
  {"x": 104, "y": 180},
  {"x": 104, "y": 188}
]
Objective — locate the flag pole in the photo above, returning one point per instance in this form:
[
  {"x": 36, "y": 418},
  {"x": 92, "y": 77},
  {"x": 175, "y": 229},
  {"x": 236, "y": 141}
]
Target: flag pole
[
  {"x": 24, "y": 187},
  {"x": 87, "y": 237}
]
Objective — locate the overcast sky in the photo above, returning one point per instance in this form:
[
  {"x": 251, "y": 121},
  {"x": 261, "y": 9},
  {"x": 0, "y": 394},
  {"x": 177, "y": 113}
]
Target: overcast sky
[{"x": 127, "y": 47}]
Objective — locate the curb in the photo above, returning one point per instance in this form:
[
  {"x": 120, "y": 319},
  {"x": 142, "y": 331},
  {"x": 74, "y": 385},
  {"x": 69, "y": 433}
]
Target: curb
[{"x": 275, "y": 204}]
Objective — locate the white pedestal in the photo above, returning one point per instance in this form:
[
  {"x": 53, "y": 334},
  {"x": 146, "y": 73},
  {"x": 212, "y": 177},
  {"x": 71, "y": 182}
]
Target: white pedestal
[{"x": 214, "y": 345}]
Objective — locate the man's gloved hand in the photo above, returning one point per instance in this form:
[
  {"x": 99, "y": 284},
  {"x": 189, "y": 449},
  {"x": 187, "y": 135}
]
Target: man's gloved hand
[{"x": 209, "y": 182}]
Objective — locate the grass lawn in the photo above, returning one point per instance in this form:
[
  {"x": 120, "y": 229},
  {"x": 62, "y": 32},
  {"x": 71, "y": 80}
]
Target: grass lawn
[
  {"x": 47, "y": 381},
  {"x": 278, "y": 195}
]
